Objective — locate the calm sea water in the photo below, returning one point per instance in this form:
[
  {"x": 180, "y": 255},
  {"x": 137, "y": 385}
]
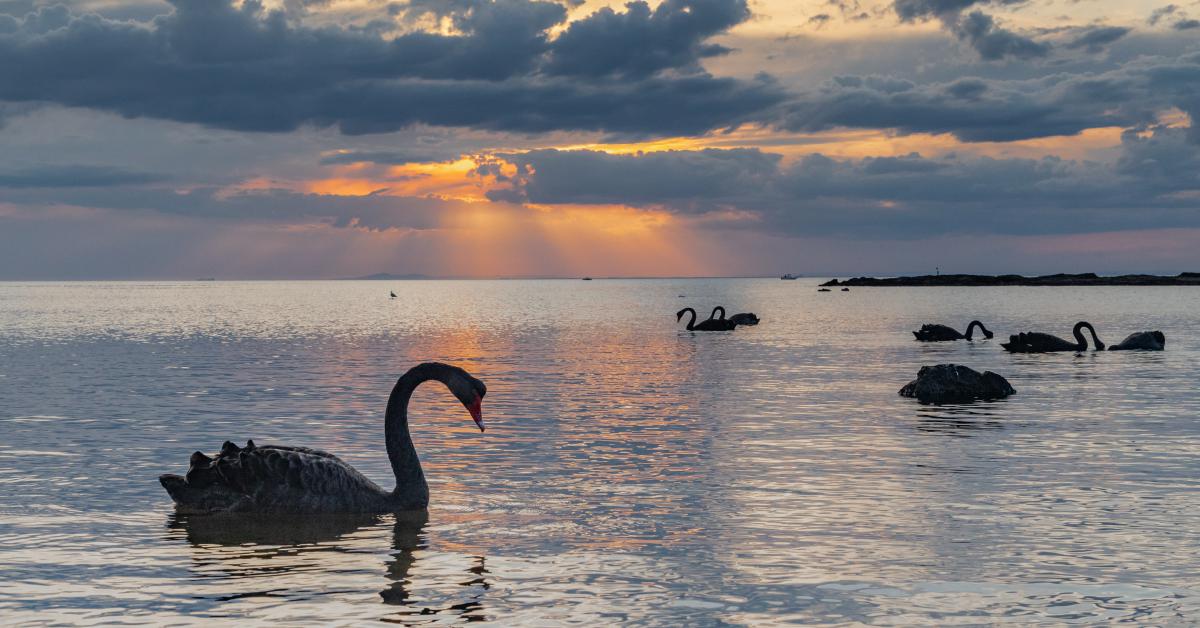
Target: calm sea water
[{"x": 632, "y": 471}]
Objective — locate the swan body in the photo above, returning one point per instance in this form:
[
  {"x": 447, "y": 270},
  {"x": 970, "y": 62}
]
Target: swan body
[
  {"x": 712, "y": 324},
  {"x": 1036, "y": 342},
  {"x": 1144, "y": 340},
  {"x": 942, "y": 333},
  {"x": 743, "y": 318},
  {"x": 282, "y": 479}
]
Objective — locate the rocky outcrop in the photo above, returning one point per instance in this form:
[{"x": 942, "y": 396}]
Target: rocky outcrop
[
  {"x": 947, "y": 383},
  {"x": 1061, "y": 279}
]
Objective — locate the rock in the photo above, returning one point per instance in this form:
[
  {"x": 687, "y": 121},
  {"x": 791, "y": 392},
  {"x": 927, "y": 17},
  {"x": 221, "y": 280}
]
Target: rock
[{"x": 954, "y": 383}]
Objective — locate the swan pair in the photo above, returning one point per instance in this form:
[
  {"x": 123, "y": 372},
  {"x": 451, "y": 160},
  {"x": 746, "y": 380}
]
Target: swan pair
[
  {"x": 299, "y": 480},
  {"x": 715, "y": 323},
  {"x": 1037, "y": 342}
]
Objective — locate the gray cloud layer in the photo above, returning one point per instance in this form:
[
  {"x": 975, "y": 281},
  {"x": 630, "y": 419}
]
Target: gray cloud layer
[
  {"x": 246, "y": 68},
  {"x": 1156, "y": 183},
  {"x": 976, "y": 109}
]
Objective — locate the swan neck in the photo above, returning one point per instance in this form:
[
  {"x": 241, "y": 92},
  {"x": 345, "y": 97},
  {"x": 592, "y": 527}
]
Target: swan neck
[
  {"x": 691, "y": 321},
  {"x": 411, "y": 489},
  {"x": 1081, "y": 341}
]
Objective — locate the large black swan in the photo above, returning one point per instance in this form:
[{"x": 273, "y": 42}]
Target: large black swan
[
  {"x": 940, "y": 333},
  {"x": 1035, "y": 342},
  {"x": 1144, "y": 340},
  {"x": 712, "y": 324},
  {"x": 742, "y": 318},
  {"x": 279, "y": 479}
]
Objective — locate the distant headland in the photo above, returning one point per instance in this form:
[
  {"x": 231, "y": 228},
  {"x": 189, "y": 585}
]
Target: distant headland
[{"x": 1061, "y": 279}]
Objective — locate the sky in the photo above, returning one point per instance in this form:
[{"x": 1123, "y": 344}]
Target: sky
[{"x": 289, "y": 139}]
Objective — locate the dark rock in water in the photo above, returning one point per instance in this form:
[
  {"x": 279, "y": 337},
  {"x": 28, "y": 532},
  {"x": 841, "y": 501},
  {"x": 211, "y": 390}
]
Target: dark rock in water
[{"x": 954, "y": 383}]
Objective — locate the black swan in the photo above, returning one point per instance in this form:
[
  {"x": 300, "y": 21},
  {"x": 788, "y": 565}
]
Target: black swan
[
  {"x": 1035, "y": 342},
  {"x": 280, "y": 479},
  {"x": 1144, "y": 340},
  {"x": 742, "y": 318},
  {"x": 711, "y": 324},
  {"x": 393, "y": 294},
  {"x": 940, "y": 333}
]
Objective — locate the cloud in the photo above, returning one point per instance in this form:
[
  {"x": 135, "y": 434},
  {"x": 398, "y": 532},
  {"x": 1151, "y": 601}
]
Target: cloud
[
  {"x": 1156, "y": 182},
  {"x": 75, "y": 176},
  {"x": 977, "y": 29},
  {"x": 641, "y": 42},
  {"x": 978, "y": 109},
  {"x": 696, "y": 178},
  {"x": 1184, "y": 25},
  {"x": 246, "y": 68},
  {"x": 388, "y": 158},
  {"x": 376, "y": 212},
  {"x": 1161, "y": 13},
  {"x": 993, "y": 42},
  {"x": 1096, "y": 38}
]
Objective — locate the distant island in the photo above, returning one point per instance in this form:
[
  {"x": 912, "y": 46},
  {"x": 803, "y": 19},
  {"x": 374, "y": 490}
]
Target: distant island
[
  {"x": 1061, "y": 279},
  {"x": 389, "y": 277}
]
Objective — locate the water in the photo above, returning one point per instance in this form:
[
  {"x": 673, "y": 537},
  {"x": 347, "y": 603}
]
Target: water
[{"x": 631, "y": 471}]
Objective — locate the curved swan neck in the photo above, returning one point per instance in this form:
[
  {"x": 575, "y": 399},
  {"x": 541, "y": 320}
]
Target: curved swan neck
[
  {"x": 692, "y": 321},
  {"x": 971, "y": 329},
  {"x": 411, "y": 489},
  {"x": 1081, "y": 341},
  {"x": 715, "y": 310}
]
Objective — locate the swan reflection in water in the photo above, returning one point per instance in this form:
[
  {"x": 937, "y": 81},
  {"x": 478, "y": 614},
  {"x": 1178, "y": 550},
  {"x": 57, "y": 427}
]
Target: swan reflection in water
[{"x": 245, "y": 546}]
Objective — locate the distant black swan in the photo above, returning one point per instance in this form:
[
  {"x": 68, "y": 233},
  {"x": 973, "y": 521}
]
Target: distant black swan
[
  {"x": 743, "y": 318},
  {"x": 1144, "y": 340},
  {"x": 1035, "y": 342},
  {"x": 279, "y": 479},
  {"x": 940, "y": 333},
  {"x": 711, "y": 324}
]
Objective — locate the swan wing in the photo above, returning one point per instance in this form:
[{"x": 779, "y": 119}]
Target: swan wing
[{"x": 275, "y": 478}]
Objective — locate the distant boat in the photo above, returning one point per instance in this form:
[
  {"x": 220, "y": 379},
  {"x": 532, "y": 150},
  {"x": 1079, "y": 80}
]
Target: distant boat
[
  {"x": 822, "y": 289},
  {"x": 788, "y": 276},
  {"x": 587, "y": 278},
  {"x": 393, "y": 294},
  {"x": 845, "y": 290}
]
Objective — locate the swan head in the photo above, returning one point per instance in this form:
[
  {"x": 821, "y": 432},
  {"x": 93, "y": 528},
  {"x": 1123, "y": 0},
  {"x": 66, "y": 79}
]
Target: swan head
[{"x": 469, "y": 391}]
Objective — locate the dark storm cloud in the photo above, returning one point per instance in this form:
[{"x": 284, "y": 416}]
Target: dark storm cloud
[
  {"x": 1155, "y": 183},
  {"x": 977, "y": 29},
  {"x": 993, "y": 42},
  {"x": 640, "y": 42},
  {"x": 1095, "y": 39},
  {"x": 246, "y": 68},
  {"x": 1184, "y": 25},
  {"x": 74, "y": 176},
  {"x": 976, "y": 109}
]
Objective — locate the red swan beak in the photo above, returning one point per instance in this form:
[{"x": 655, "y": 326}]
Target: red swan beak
[{"x": 476, "y": 410}]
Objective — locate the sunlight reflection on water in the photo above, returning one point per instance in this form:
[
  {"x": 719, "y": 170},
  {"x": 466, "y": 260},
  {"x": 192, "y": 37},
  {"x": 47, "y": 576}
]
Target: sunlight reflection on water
[{"x": 631, "y": 471}]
